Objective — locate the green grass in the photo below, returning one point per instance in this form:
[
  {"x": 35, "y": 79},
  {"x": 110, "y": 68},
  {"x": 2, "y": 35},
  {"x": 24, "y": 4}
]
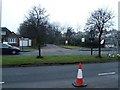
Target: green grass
[
  {"x": 70, "y": 47},
  {"x": 30, "y": 60},
  {"x": 27, "y": 49}
]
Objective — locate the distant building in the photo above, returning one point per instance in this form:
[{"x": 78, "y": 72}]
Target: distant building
[
  {"x": 14, "y": 39},
  {"x": 4, "y": 33},
  {"x": 111, "y": 39}
]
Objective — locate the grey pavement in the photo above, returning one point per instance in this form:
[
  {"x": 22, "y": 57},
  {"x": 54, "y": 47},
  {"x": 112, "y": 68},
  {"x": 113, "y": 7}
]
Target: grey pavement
[{"x": 61, "y": 76}]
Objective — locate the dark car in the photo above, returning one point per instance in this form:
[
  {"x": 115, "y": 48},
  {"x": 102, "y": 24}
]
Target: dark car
[{"x": 8, "y": 49}]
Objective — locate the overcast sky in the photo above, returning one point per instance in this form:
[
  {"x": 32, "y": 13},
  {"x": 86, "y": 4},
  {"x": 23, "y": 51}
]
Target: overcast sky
[{"x": 66, "y": 12}]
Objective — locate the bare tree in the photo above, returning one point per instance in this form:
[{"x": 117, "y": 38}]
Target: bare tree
[
  {"x": 38, "y": 20},
  {"x": 99, "y": 21}
]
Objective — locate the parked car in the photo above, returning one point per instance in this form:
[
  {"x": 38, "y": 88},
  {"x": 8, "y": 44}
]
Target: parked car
[{"x": 8, "y": 49}]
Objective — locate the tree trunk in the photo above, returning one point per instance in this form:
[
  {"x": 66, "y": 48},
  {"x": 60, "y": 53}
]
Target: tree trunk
[
  {"x": 39, "y": 48},
  {"x": 99, "y": 48}
]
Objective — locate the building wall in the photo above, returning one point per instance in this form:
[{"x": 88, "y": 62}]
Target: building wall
[
  {"x": 26, "y": 42},
  {"x": 13, "y": 39}
]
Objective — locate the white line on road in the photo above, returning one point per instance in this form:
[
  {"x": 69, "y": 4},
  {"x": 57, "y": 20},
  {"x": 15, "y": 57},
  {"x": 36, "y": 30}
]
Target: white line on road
[
  {"x": 109, "y": 73},
  {"x": 1, "y": 82}
]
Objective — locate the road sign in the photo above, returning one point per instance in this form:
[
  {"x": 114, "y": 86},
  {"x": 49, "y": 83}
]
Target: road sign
[
  {"x": 83, "y": 40},
  {"x": 102, "y": 41}
]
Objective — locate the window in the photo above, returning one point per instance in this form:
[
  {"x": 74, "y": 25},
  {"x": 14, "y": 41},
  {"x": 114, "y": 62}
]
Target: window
[
  {"x": 5, "y": 46},
  {"x": 3, "y": 33},
  {"x": 11, "y": 40}
]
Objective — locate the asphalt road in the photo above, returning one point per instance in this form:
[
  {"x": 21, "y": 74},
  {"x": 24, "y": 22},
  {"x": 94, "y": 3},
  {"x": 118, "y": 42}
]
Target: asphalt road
[
  {"x": 50, "y": 50},
  {"x": 62, "y": 76}
]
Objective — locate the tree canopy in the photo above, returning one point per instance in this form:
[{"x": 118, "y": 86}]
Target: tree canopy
[
  {"x": 99, "y": 21},
  {"x": 35, "y": 26}
]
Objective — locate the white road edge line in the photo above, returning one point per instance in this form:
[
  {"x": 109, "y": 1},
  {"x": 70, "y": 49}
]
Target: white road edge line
[
  {"x": 2, "y": 82},
  {"x": 110, "y": 73}
]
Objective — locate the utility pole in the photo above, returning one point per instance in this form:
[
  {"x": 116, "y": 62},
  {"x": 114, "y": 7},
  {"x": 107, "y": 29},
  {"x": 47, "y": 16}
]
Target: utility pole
[
  {"x": 118, "y": 42},
  {"x": 118, "y": 34},
  {"x": 0, "y": 51}
]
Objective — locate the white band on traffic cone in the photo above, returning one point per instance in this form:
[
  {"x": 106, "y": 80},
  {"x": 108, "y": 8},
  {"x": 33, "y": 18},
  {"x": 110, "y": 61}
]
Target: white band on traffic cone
[{"x": 79, "y": 75}]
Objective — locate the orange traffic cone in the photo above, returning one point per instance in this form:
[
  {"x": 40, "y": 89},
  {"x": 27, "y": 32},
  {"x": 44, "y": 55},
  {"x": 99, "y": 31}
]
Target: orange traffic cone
[{"x": 79, "y": 81}]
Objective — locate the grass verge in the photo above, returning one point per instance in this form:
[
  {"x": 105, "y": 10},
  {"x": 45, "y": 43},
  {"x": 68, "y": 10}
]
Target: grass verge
[
  {"x": 27, "y": 49},
  {"x": 50, "y": 60},
  {"x": 70, "y": 47}
]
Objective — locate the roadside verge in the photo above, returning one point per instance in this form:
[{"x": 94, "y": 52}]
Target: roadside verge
[{"x": 18, "y": 61}]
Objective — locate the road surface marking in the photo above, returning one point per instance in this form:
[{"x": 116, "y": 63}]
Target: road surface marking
[
  {"x": 110, "y": 73},
  {"x": 1, "y": 82}
]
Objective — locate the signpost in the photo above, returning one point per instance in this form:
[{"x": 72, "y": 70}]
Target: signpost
[
  {"x": 66, "y": 42},
  {"x": 83, "y": 41},
  {"x": 102, "y": 41},
  {"x": 91, "y": 38}
]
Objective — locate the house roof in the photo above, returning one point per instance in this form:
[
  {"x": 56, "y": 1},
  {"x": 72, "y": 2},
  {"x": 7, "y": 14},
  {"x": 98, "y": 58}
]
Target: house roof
[
  {"x": 12, "y": 33},
  {"x": 6, "y": 30}
]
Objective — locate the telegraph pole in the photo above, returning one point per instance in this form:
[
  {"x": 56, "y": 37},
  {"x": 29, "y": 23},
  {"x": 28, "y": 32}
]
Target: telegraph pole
[
  {"x": 0, "y": 51},
  {"x": 118, "y": 34}
]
